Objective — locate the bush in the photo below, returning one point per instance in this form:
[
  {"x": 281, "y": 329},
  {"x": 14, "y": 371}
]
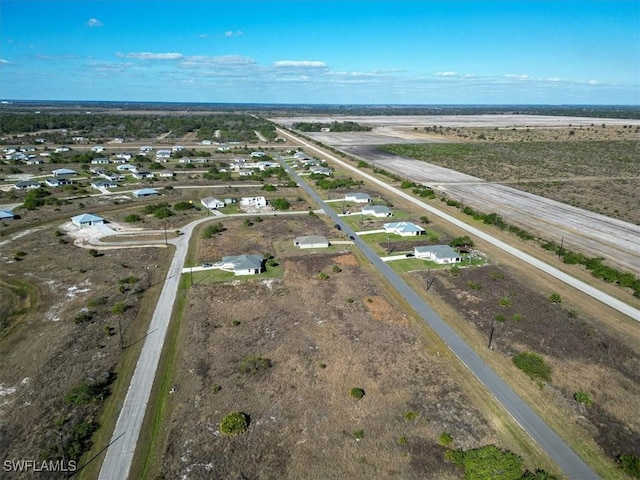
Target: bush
[
  {"x": 132, "y": 218},
  {"x": 254, "y": 364},
  {"x": 83, "y": 317},
  {"x": 357, "y": 393},
  {"x": 411, "y": 415},
  {"x": 234, "y": 423},
  {"x": 533, "y": 365},
  {"x": 181, "y": 206},
  {"x": 445, "y": 439},
  {"x": 630, "y": 464},
  {"x": 94, "y": 253},
  {"x": 280, "y": 204},
  {"x": 583, "y": 398},
  {"x": 163, "y": 212},
  {"x": 212, "y": 230},
  {"x": 555, "y": 298},
  {"x": 358, "y": 434}
]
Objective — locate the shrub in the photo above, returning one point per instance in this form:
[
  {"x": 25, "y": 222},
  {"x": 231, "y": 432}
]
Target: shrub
[
  {"x": 474, "y": 285},
  {"x": 234, "y": 423},
  {"x": 94, "y": 253},
  {"x": 322, "y": 276},
  {"x": 358, "y": 434},
  {"x": 336, "y": 269},
  {"x": 181, "y": 206},
  {"x": 505, "y": 302},
  {"x": 411, "y": 415},
  {"x": 454, "y": 270},
  {"x": 533, "y": 365},
  {"x": 163, "y": 212},
  {"x": 357, "y": 393},
  {"x": 630, "y": 464},
  {"x": 212, "y": 230},
  {"x": 402, "y": 440},
  {"x": 83, "y": 317},
  {"x": 583, "y": 398},
  {"x": 267, "y": 187},
  {"x": 215, "y": 388},
  {"x": 254, "y": 364},
  {"x": 132, "y": 218},
  {"x": 555, "y": 298},
  {"x": 97, "y": 301},
  {"x": 424, "y": 219},
  {"x": 445, "y": 439},
  {"x": 119, "y": 308},
  {"x": 280, "y": 204}
]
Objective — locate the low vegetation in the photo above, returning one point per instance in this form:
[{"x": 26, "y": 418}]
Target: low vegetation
[
  {"x": 533, "y": 365},
  {"x": 234, "y": 423}
]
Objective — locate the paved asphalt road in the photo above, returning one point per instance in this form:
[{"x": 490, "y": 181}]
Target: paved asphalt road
[
  {"x": 119, "y": 456},
  {"x": 612, "y": 302},
  {"x": 568, "y": 461}
]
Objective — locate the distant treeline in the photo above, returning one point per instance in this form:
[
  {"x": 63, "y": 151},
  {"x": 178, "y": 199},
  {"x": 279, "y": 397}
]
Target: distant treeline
[
  {"x": 602, "y": 111},
  {"x": 333, "y": 126},
  {"x": 221, "y": 126}
]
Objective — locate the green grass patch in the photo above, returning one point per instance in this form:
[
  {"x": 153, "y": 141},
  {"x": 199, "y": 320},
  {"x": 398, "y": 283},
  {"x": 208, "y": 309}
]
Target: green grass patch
[{"x": 533, "y": 365}]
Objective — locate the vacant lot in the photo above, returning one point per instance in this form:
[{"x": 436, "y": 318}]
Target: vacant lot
[
  {"x": 67, "y": 314},
  {"x": 323, "y": 337},
  {"x": 583, "y": 356}
]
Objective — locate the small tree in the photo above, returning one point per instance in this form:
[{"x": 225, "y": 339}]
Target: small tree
[
  {"x": 234, "y": 423},
  {"x": 555, "y": 298},
  {"x": 357, "y": 393},
  {"x": 280, "y": 204}
]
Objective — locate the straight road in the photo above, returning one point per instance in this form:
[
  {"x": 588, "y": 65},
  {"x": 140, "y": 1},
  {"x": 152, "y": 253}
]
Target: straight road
[
  {"x": 568, "y": 461},
  {"x": 608, "y": 300},
  {"x": 117, "y": 461}
]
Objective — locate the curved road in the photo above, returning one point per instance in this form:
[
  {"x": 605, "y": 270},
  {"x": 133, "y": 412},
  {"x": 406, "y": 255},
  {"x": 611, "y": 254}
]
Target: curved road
[
  {"x": 568, "y": 461},
  {"x": 560, "y": 275}
]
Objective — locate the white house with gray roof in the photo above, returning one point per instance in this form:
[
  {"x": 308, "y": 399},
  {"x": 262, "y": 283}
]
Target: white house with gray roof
[
  {"x": 404, "y": 229},
  {"x": 380, "y": 211},
  {"x": 242, "y": 264},
  {"x": 87, "y": 220},
  {"x": 357, "y": 197},
  {"x": 440, "y": 254},
  {"x": 311, "y": 241}
]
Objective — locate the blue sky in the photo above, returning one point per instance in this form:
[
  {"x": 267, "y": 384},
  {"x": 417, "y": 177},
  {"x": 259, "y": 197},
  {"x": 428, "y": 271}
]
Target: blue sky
[{"x": 344, "y": 52}]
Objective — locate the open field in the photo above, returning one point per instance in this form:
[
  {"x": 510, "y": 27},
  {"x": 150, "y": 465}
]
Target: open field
[
  {"x": 323, "y": 337},
  {"x": 509, "y": 163}
]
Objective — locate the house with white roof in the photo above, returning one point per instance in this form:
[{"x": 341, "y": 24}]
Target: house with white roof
[
  {"x": 142, "y": 174},
  {"x": 311, "y": 241},
  {"x": 163, "y": 155},
  {"x": 211, "y": 203},
  {"x": 26, "y": 185},
  {"x": 102, "y": 184},
  {"x": 440, "y": 254},
  {"x": 167, "y": 173},
  {"x": 100, "y": 161},
  {"x": 404, "y": 229},
  {"x": 97, "y": 149},
  {"x": 357, "y": 197},
  {"x": 126, "y": 167},
  {"x": 57, "y": 182},
  {"x": 255, "y": 202},
  {"x": 379, "y": 211}
]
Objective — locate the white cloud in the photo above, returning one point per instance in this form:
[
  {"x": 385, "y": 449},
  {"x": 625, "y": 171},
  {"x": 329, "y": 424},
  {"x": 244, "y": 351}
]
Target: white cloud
[
  {"x": 4, "y": 62},
  {"x": 518, "y": 77},
  {"x": 299, "y": 64},
  {"x": 203, "y": 35},
  {"x": 594, "y": 82},
  {"x": 230, "y": 33},
  {"x": 447, "y": 74},
  {"x": 94, "y": 22},
  {"x": 151, "y": 56}
]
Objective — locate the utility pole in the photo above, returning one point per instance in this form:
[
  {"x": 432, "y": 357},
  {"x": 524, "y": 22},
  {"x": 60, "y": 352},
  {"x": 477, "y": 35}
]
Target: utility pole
[
  {"x": 388, "y": 245},
  {"x": 64, "y": 454},
  {"x": 560, "y": 251},
  {"x": 491, "y": 334},
  {"x": 120, "y": 332},
  {"x": 191, "y": 275},
  {"x": 165, "y": 234}
]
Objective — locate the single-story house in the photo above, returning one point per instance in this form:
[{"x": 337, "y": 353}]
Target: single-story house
[
  {"x": 212, "y": 203},
  {"x": 311, "y": 241},
  {"x": 57, "y": 182},
  {"x": 97, "y": 148},
  {"x": 63, "y": 171},
  {"x": 253, "y": 202},
  {"x": 145, "y": 149},
  {"x": 98, "y": 170},
  {"x": 377, "y": 211},
  {"x": 87, "y": 220},
  {"x": 100, "y": 184},
  {"x": 257, "y": 154},
  {"x": 26, "y": 185},
  {"x": 177, "y": 148},
  {"x": 245, "y": 172},
  {"x": 167, "y": 173},
  {"x": 142, "y": 174},
  {"x": 114, "y": 177},
  {"x": 357, "y": 197},
  {"x": 321, "y": 170},
  {"x": 100, "y": 161},
  {"x": 145, "y": 192},
  {"x": 7, "y": 215},
  {"x": 404, "y": 229},
  {"x": 264, "y": 164},
  {"x": 61, "y": 149},
  {"x": 441, "y": 254},
  {"x": 163, "y": 154},
  {"x": 243, "y": 264},
  {"x": 126, "y": 167}
]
